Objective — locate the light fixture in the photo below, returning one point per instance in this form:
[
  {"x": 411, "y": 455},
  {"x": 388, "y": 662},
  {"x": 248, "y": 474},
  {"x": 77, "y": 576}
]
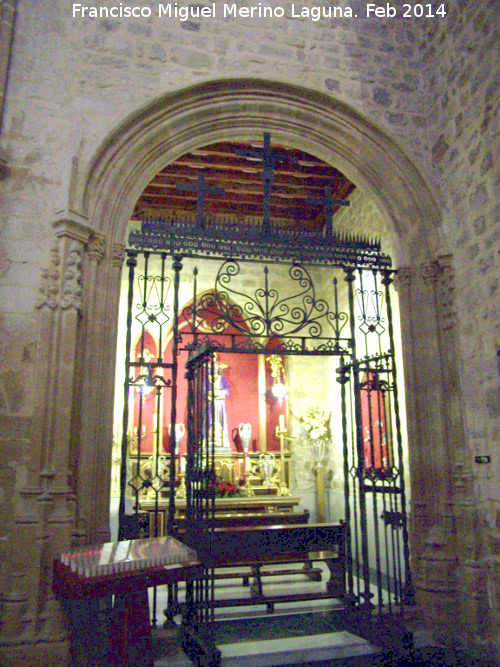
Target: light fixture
[
  {"x": 146, "y": 382},
  {"x": 279, "y": 389}
]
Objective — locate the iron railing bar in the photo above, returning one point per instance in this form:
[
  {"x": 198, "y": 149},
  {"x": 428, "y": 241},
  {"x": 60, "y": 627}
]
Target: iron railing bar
[
  {"x": 399, "y": 440},
  {"x": 131, "y": 263},
  {"x": 343, "y": 379},
  {"x": 307, "y": 262},
  {"x": 177, "y": 268},
  {"x": 354, "y": 494},
  {"x": 387, "y": 549},
  {"x": 359, "y": 445},
  {"x": 374, "y": 499}
]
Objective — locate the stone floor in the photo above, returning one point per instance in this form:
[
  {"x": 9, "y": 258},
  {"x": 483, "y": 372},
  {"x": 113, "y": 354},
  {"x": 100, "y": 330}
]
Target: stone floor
[
  {"x": 309, "y": 634},
  {"x": 334, "y": 650},
  {"x": 300, "y": 635}
]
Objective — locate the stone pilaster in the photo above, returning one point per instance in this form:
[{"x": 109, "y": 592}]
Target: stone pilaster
[
  {"x": 96, "y": 375},
  {"x": 432, "y": 529},
  {"x": 45, "y": 518},
  {"x": 86, "y": 433},
  {"x": 418, "y": 514},
  {"x": 449, "y": 574},
  {"x": 417, "y": 310},
  {"x": 462, "y": 506}
]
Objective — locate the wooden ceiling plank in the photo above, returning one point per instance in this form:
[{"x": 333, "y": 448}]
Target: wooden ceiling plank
[{"x": 240, "y": 177}]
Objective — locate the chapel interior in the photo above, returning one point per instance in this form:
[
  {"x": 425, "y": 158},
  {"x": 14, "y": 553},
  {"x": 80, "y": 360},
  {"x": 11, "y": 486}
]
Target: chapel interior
[
  {"x": 269, "y": 392},
  {"x": 249, "y": 351}
]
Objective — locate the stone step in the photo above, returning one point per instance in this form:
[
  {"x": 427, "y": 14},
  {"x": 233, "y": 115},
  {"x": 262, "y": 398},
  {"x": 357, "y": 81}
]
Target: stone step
[{"x": 310, "y": 649}]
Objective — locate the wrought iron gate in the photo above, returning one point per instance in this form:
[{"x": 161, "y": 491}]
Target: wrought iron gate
[
  {"x": 354, "y": 325},
  {"x": 374, "y": 474},
  {"x": 200, "y": 495}
]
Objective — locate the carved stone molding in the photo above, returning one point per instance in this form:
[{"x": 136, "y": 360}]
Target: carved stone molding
[
  {"x": 71, "y": 225},
  {"x": 96, "y": 247},
  {"x": 446, "y": 292},
  {"x": 47, "y": 503},
  {"x": 72, "y": 286},
  {"x": 461, "y": 476},
  {"x": 403, "y": 278},
  {"x": 118, "y": 254},
  {"x": 440, "y": 273},
  {"x": 63, "y": 288},
  {"x": 49, "y": 282},
  {"x": 430, "y": 272}
]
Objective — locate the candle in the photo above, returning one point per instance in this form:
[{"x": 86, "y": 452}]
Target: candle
[{"x": 282, "y": 422}]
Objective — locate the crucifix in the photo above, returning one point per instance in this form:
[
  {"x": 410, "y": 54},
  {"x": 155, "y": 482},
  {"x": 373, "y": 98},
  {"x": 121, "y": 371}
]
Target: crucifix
[
  {"x": 329, "y": 202},
  {"x": 201, "y": 190},
  {"x": 269, "y": 159}
]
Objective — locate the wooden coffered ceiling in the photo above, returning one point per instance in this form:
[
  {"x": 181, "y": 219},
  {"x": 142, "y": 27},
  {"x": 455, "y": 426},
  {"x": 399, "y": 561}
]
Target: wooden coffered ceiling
[{"x": 296, "y": 178}]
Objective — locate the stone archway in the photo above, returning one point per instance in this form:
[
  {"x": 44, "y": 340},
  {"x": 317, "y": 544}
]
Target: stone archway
[
  {"x": 179, "y": 122},
  {"x": 91, "y": 240},
  {"x": 211, "y": 112},
  {"x": 306, "y": 120}
]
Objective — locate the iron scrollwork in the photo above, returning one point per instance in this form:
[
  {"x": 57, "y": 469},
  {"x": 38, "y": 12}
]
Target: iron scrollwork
[
  {"x": 224, "y": 236},
  {"x": 371, "y": 307},
  {"x": 153, "y": 306},
  {"x": 264, "y": 313}
]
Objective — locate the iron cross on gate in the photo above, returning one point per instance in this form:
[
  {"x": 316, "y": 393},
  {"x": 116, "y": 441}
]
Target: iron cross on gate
[
  {"x": 201, "y": 190},
  {"x": 329, "y": 202},
  {"x": 269, "y": 159}
]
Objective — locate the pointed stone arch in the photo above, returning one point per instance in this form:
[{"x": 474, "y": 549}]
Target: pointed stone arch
[
  {"x": 220, "y": 110},
  {"x": 306, "y": 120}
]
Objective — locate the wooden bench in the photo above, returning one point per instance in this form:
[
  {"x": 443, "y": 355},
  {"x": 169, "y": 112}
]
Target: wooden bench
[
  {"x": 247, "y": 519},
  {"x": 250, "y": 519},
  {"x": 260, "y": 546}
]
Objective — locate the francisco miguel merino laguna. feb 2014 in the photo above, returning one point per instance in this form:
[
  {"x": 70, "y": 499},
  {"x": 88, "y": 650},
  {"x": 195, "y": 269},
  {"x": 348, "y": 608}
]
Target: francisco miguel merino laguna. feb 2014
[
  {"x": 225, "y": 10},
  {"x": 231, "y": 10}
]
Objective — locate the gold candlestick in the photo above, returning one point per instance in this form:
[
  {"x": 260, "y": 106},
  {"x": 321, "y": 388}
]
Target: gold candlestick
[
  {"x": 246, "y": 476},
  {"x": 181, "y": 489},
  {"x": 281, "y": 433}
]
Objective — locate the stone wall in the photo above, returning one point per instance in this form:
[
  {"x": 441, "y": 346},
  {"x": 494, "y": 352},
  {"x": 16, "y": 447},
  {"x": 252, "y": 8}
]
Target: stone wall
[
  {"x": 461, "y": 58},
  {"x": 462, "y": 62}
]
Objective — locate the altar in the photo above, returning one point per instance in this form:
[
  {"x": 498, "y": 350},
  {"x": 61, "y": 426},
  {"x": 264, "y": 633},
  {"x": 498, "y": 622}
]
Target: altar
[
  {"x": 263, "y": 510},
  {"x": 247, "y": 485}
]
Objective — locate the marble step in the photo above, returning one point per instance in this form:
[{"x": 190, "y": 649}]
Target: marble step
[{"x": 310, "y": 649}]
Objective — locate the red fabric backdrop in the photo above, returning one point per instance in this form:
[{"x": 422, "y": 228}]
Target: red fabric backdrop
[
  {"x": 146, "y": 416},
  {"x": 242, "y": 403},
  {"x": 373, "y": 417}
]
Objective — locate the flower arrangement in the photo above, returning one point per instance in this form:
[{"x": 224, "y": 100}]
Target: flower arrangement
[
  {"x": 222, "y": 488},
  {"x": 316, "y": 423}
]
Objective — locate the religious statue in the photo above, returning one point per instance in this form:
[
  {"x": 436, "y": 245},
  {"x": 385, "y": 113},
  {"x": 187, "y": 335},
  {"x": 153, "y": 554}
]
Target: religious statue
[{"x": 218, "y": 391}]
